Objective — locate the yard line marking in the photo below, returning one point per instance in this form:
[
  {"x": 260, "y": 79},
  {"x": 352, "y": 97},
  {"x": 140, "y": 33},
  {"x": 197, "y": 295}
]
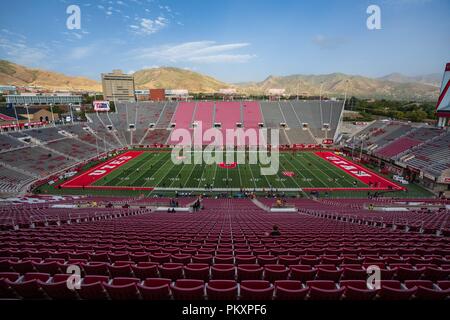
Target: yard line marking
[
  {"x": 295, "y": 169},
  {"x": 163, "y": 166},
  {"x": 311, "y": 172},
  {"x": 193, "y": 167},
  {"x": 284, "y": 169},
  {"x": 146, "y": 171},
  {"x": 347, "y": 177},
  {"x": 130, "y": 182}
]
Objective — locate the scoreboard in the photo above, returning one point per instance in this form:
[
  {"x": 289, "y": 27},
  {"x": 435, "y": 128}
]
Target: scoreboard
[{"x": 101, "y": 106}]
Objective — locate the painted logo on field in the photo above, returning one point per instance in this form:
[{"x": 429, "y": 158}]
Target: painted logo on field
[
  {"x": 228, "y": 165},
  {"x": 110, "y": 166},
  {"x": 288, "y": 174},
  {"x": 356, "y": 171}
]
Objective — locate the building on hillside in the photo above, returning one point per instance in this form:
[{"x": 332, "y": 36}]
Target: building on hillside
[
  {"x": 227, "y": 94},
  {"x": 276, "y": 94},
  {"x": 40, "y": 99},
  {"x": 157, "y": 94},
  {"x": 118, "y": 86},
  {"x": 177, "y": 94},
  {"x": 8, "y": 89},
  {"x": 142, "y": 95}
]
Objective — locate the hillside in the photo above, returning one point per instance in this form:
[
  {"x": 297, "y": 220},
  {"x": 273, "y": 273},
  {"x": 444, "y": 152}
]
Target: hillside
[
  {"x": 175, "y": 78},
  {"x": 393, "y": 87},
  {"x": 335, "y": 84},
  {"x": 14, "y": 74},
  {"x": 433, "y": 79}
]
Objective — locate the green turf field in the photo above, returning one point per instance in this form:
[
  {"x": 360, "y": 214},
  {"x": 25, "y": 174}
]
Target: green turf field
[{"x": 152, "y": 169}]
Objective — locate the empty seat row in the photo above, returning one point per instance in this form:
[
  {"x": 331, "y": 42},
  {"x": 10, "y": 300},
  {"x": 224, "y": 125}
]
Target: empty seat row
[
  {"x": 65, "y": 286},
  {"x": 204, "y": 271}
]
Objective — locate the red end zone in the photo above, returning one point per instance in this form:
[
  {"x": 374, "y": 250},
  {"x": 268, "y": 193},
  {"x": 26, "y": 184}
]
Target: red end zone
[
  {"x": 86, "y": 179},
  {"x": 374, "y": 181}
]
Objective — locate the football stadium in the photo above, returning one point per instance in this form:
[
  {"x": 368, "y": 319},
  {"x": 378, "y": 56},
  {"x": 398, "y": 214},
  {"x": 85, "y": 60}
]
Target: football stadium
[{"x": 191, "y": 198}]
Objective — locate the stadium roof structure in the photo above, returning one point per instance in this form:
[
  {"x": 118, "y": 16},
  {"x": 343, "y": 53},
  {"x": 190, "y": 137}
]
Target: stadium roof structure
[{"x": 443, "y": 105}]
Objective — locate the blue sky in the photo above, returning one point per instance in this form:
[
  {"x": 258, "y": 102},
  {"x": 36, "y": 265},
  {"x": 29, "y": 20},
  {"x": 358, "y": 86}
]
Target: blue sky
[{"x": 232, "y": 40}]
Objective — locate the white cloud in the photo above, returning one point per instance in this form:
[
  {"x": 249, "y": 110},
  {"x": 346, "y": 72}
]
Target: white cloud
[
  {"x": 148, "y": 26},
  {"x": 150, "y": 67},
  {"x": 223, "y": 58},
  {"x": 23, "y": 53},
  {"x": 80, "y": 52},
  {"x": 196, "y": 52}
]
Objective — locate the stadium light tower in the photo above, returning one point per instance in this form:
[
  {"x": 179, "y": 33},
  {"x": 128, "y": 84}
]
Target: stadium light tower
[
  {"x": 320, "y": 103},
  {"x": 28, "y": 113},
  {"x": 96, "y": 143},
  {"x": 71, "y": 112},
  {"x": 346, "y": 91},
  {"x": 53, "y": 116}
]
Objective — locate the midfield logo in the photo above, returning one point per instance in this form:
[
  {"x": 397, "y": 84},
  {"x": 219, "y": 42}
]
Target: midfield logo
[{"x": 249, "y": 146}]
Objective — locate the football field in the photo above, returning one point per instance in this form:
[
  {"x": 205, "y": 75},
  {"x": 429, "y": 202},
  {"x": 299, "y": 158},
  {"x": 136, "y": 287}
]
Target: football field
[{"x": 149, "y": 170}]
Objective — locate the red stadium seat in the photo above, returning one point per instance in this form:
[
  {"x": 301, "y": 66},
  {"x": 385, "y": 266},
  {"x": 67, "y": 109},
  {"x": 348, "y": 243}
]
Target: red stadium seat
[
  {"x": 22, "y": 266},
  {"x": 145, "y": 272},
  {"x": 224, "y": 259},
  {"x": 426, "y": 290},
  {"x": 274, "y": 272},
  {"x": 188, "y": 289},
  {"x": 139, "y": 257},
  {"x": 57, "y": 288},
  {"x": 202, "y": 258},
  {"x": 249, "y": 272},
  {"x": 155, "y": 289},
  {"x": 120, "y": 271},
  {"x": 329, "y": 274},
  {"x": 6, "y": 292},
  {"x": 245, "y": 259},
  {"x": 409, "y": 274},
  {"x": 223, "y": 271},
  {"x": 29, "y": 287},
  {"x": 222, "y": 290},
  {"x": 256, "y": 290},
  {"x": 288, "y": 260},
  {"x": 436, "y": 274},
  {"x": 392, "y": 290},
  {"x": 198, "y": 271},
  {"x": 290, "y": 290},
  {"x": 48, "y": 267},
  {"x": 122, "y": 289},
  {"x": 91, "y": 288},
  {"x": 266, "y": 259},
  {"x": 357, "y": 290},
  {"x": 160, "y": 257},
  {"x": 324, "y": 290},
  {"x": 354, "y": 274},
  {"x": 96, "y": 268},
  {"x": 172, "y": 271},
  {"x": 303, "y": 273},
  {"x": 181, "y": 258}
]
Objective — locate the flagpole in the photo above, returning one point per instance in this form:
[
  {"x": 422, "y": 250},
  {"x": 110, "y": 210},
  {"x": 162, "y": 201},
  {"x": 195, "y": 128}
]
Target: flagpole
[
  {"x": 17, "y": 118},
  {"x": 53, "y": 117},
  {"x": 28, "y": 115}
]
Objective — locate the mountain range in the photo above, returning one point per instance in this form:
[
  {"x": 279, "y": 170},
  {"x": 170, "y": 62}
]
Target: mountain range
[{"x": 394, "y": 86}]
